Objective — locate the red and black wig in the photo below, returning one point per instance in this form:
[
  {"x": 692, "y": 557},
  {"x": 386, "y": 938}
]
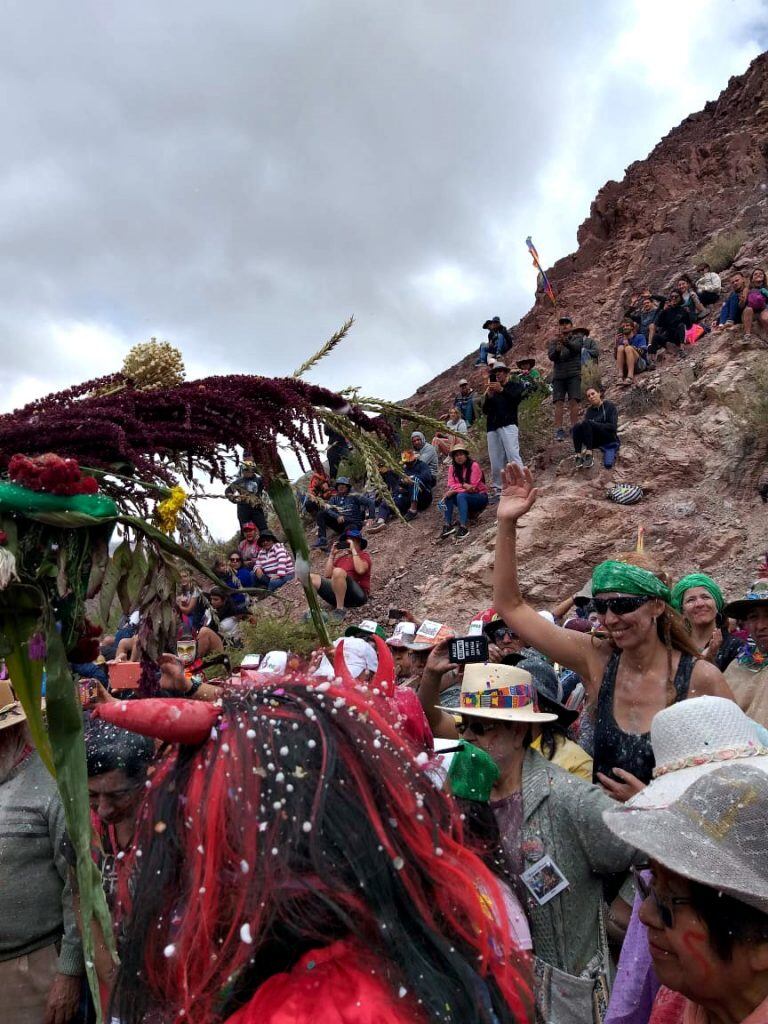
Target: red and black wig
[{"x": 302, "y": 819}]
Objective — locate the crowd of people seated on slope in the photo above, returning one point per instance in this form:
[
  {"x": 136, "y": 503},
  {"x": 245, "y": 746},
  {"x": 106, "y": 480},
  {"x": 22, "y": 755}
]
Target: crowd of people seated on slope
[{"x": 602, "y": 773}]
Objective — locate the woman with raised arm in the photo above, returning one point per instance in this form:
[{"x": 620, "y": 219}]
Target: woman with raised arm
[{"x": 646, "y": 662}]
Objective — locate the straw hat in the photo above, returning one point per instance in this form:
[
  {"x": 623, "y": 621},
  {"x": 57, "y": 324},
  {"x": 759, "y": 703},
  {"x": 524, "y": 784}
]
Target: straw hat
[
  {"x": 11, "y": 711},
  {"x": 713, "y": 834},
  {"x": 499, "y": 692},
  {"x": 693, "y": 738},
  {"x": 460, "y": 446}
]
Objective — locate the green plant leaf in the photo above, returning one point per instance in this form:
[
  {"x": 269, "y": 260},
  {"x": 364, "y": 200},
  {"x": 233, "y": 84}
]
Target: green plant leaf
[{"x": 118, "y": 566}]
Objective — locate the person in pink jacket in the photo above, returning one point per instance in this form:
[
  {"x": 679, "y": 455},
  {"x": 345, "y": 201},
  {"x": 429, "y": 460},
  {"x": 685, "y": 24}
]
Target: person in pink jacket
[{"x": 467, "y": 491}]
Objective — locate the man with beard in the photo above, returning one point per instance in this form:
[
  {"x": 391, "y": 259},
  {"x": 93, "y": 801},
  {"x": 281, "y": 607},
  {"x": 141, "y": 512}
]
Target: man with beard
[{"x": 41, "y": 957}]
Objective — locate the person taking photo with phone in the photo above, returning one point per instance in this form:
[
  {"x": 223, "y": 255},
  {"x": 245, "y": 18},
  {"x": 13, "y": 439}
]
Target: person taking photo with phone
[{"x": 346, "y": 579}]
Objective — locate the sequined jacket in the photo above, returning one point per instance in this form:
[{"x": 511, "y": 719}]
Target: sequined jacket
[{"x": 563, "y": 818}]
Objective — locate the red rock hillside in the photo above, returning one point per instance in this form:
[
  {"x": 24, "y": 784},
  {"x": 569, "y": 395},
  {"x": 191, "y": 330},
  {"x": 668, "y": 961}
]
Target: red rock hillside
[{"x": 687, "y": 434}]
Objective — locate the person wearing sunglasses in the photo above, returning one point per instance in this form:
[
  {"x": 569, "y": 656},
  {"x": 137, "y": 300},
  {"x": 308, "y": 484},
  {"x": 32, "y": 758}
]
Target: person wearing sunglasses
[
  {"x": 645, "y": 662},
  {"x": 542, "y": 812},
  {"x": 705, "y": 903}
]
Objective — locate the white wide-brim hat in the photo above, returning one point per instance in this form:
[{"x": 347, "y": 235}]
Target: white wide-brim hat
[
  {"x": 501, "y": 693},
  {"x": 692, "y": 738}
]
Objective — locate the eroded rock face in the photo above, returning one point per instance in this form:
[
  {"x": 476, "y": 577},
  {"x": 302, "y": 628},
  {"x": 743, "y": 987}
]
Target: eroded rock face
[{"x": 684, "y": 438}]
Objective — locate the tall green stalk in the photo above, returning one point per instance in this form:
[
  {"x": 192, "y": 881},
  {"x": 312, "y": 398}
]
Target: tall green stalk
[{"x": 284, "y": 503}]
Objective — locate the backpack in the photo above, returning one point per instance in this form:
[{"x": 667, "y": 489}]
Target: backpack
[{"x": 624, "y": 494}]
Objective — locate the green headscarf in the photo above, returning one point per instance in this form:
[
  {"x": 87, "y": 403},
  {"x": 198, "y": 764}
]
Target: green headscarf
[
  {"x": 696, "y": 579},
  {"x": 472, "y": 773},
  {"x": 624, "y": 578}
]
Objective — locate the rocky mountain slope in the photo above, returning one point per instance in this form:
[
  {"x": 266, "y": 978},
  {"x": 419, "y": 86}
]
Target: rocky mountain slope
[{"x": 687, "y": 434}]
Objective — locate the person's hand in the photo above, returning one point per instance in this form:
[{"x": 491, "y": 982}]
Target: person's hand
[
  {"x": 493, "y": 387},
  {"x": 172, "y": 676},
  {"x": 101, "y": 695},
  {"x": 353, "y": 546},
  {"x": 517, "y": 495},
  {"x": 339, "y": 519},
  {"x": 623, "y": 787},
  {"x": 450, "y": 494},
  {"x": 258, "y": 572},
  {"x": 495, "y": 654},
  {"x": 438, "y": 660},
  {"x": 469, "y": 489},
  {"x": 63, "y": 999}
]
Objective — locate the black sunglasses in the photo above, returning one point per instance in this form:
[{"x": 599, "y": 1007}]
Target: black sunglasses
[
  {"x": 478, "y": 728},
  {"x": 618, "y": 605},
  {"x": 504, "y": 633},
  {"x": 665, "y": 905}
]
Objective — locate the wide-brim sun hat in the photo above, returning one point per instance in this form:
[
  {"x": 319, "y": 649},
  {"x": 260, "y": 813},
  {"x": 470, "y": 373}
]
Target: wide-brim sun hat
[
  {"x": 500, "y": 693},
  {"x": 693, "y": 738},
  {"x": 526, "y": 362},
  {"x": 459, "y": 447},
  {"x": 756, "y": 595},
  {"x": 548, "y": 689},
  {"x": 714, "y": 833}
]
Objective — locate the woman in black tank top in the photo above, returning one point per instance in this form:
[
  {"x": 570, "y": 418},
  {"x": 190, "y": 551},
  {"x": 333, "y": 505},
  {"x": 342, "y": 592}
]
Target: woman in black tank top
[
  {"x": 615, "y": 748},
  {"x": 644, "y": 661}
]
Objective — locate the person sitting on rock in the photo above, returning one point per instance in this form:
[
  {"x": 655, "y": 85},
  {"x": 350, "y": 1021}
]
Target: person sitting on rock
[
  {"x": 730, "y": 314},
  {"x": 444, "y": 442},
  {"x": 529, "y": 375},
  {"x": 345, "y": 513},
  {"x": 346, "y": 579},
  {"x": 467, "y": 491},
  {"x": 565, "y": 352},
  {"x": 631, "y": 353},
  {"x": 414, "y": 494},
  {"x": 426, "y": 453},
  {"x": 755, "y": 311},
  {"x": 691, "y": 300},
  {"x": 646, "y": 316},
  {"x": 500, "y": 340},
  {"x": 274, "y": 565},
  {"x": 599, "y": 427},
  {"x": 671, "y": 324},
  {"x": 467, "y": 402},
  {"x": 708, "y": 284}
]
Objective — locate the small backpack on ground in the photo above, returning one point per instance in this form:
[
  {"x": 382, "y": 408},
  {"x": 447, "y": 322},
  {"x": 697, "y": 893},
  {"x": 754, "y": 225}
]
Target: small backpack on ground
[{"x": 624, "y": 494}]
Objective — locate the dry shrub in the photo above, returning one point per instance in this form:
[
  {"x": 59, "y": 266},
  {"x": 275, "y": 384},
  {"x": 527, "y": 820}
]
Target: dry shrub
[{"x": 722, "y": 249}]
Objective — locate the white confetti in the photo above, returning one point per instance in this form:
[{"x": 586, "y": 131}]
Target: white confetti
[
  {"x": 169, "y": 950},
  {"x": 245, "y": 934}
]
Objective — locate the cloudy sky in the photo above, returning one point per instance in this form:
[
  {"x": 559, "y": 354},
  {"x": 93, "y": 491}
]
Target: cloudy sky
[{"x": 240, "y": 177}]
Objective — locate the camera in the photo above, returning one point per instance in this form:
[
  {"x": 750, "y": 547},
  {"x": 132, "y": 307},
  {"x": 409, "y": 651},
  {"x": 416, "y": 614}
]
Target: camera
[{"x": 492, "y": 376}]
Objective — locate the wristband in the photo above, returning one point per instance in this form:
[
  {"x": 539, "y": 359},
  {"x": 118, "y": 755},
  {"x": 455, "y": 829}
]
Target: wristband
[{"x": 197, "y": 681}]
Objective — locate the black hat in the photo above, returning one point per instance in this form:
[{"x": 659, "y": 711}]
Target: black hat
[
  {"x": 266, "y": 535},
  {"x": 548, "y": 691},
  {"x": 565, "y": 320},
  {"x": 491, "y": 323},
  {"x": 526, "y": 361}
]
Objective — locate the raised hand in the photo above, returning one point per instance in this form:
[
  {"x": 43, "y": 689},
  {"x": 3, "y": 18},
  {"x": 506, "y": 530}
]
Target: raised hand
[{"x": 517, "y": 494}]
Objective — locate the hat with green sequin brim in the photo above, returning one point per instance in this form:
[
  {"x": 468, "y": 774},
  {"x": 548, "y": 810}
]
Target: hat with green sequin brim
[
  {"x": 756, "y": 595},
  {"x": 499, "y": 692}
]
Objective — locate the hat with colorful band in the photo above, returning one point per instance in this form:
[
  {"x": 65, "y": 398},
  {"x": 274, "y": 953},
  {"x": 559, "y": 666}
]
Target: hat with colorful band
[{"x": 501, "y": 692}]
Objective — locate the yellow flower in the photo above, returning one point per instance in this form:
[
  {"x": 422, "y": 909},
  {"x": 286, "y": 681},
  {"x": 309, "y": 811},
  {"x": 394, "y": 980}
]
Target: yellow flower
[{"x": 167, "y": 511}]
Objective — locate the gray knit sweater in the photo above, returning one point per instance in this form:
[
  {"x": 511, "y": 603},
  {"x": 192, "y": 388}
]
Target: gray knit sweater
[{"x": 35, "y": 896}]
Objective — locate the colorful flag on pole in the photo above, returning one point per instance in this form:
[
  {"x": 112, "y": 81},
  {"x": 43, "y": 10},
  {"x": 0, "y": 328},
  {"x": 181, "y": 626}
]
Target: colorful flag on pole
[{"x": 548, "y": 289}]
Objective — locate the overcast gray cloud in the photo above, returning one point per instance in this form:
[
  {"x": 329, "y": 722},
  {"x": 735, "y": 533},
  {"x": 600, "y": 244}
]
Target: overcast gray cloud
[{"x": 239, "y": 177}]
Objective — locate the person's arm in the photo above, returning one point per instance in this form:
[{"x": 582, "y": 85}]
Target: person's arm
[
  {"x": 611, "y": 416},
  {"x": 605, "y": 852},
  {"x": 552, "y": 351},
  {"x": 442, "y": 723},
  {"x": 360, "y": 564},
  {"x": 574, "y": 650},
  {"x": 173, "y": 680},
  {"x": 330, "y": 560},
  {"x": 708, "y": 681},
  {"x": 698, "y": 305},
  {"x": 454, "y": 487},
  {"x": 562, "y": 609}
]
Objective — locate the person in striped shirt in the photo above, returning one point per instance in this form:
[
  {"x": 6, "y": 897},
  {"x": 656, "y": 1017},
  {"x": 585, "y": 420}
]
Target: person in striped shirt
[{"x": 273, "y": 566}]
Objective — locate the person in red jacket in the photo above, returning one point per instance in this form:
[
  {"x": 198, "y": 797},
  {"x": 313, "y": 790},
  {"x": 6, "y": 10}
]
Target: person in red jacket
[
  {"x": 467, "y": 491},
  {"x": 297, "y": 865}
]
